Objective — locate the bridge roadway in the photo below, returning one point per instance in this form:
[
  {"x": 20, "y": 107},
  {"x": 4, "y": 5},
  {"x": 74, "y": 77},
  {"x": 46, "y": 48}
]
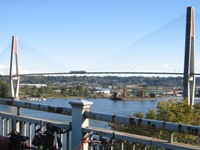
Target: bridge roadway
[
  {"x": 110, "y": 72},
  {"x": 100, "y": 73}
]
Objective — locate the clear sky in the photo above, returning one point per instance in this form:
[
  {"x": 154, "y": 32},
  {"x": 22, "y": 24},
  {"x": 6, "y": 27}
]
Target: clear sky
[{"x": 79, "y": 32}]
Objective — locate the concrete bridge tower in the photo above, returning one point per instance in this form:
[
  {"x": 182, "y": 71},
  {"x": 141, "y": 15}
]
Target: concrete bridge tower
[
  {"x": 14, "y": 79},
  {"x": 189, "y": 64}
]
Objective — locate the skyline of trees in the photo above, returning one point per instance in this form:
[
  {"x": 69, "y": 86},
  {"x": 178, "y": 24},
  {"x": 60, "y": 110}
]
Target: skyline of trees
[{"x": 83, "y": 86}]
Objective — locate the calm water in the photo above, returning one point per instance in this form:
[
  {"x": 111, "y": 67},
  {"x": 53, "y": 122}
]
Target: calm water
[
  {"x": 109, "y": 106},
  {"x": 99, "y": 105}
]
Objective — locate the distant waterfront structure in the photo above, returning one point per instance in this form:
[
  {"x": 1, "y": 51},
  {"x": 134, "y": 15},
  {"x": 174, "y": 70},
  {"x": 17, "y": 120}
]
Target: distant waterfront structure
[
  {"x": 103, "y": 90},
  {"x": 33, "y": 85}
]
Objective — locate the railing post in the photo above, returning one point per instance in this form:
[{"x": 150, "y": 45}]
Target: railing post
[
  {"x": 170, "y": 137},
  {"x": 3, "y": 126},
  {"x": 78, "y": 121}
]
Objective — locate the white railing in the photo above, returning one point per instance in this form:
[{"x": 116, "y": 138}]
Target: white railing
[
  {"x": 27, "y": 125},
  {"x": 81, "y": 114}
]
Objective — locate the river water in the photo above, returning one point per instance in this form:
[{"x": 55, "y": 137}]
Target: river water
[
  {"x": 109, "y": 106},
  {"x": 99, "y": 105}
]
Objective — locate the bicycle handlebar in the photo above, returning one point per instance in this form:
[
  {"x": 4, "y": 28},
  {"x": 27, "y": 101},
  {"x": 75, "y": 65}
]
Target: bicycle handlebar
[
  {"x": 102, "y": 141},
  {"x": 88, "y": 135},
  {"x": 53, "y": 128}
]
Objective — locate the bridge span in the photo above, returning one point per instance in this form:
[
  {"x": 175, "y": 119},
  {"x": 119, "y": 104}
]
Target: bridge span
[
  {"x": 99, "y": 73},
  {"x": 188, "y": 74}
]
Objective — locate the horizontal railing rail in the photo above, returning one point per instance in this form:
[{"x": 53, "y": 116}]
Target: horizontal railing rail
[
  {"x": 39, "y": 107},
  {"x": 147, "y": 123}
]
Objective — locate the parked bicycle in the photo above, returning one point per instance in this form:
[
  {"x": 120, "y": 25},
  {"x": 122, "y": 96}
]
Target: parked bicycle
[
  {"x": 14, "y": 141},
  {"x": 97, "y": 144},
  {"x": 49, "y": 140}
]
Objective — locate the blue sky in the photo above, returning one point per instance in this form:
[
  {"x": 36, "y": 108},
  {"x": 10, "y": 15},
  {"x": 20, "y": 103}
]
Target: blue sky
[{"x": 78, "y": 33}]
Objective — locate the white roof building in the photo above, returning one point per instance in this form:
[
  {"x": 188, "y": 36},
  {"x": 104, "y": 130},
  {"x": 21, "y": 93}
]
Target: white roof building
[{"x": 34, "y": 85}]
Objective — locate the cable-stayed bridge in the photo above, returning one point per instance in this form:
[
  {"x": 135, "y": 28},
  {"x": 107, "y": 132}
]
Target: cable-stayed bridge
[
  {"x": 162, "y": 52},
  {"x": 164, "y": 47}
]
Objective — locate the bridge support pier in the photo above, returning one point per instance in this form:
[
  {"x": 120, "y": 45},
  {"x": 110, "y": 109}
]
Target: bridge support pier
[
  {"x": 189, "y": 64},
  {"x": 14, "y": 79}
]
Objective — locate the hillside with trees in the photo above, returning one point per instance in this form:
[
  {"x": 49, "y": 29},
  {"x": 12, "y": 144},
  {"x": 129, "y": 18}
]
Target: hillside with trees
[{"x": 85, "y": 86}]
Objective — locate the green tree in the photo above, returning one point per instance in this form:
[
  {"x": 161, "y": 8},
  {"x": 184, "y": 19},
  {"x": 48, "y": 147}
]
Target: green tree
[
  {"x": 151, "y": 114},
  {"x": 64, "y": 91},
  {"x": 79, "y": 90},
  {"x": 169, "y": 111},
  {"x": 26, "y": 90},
  {"x": 4, "y": 89},
  {"x": 41, "y": 90},
  {"x": 179, "y": 112},
  {"x": 86, "y": 92}
]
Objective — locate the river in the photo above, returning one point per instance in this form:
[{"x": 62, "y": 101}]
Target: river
[
  {"x": 109, "y": 106},
  {"x": 99, "y": 105}
]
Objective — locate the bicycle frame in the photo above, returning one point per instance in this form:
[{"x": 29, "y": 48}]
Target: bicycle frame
[
  {"x": 93, "y": 143},
  {"x": 49, "y": 138},
  {"x": 56, "y": 141},
  {"x": 14, "y": 142}
]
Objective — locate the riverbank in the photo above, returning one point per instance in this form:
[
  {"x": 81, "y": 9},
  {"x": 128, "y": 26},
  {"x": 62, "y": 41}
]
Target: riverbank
[
  {"x": 133, "y": 99},
  {"x": 140, "y": 98}
]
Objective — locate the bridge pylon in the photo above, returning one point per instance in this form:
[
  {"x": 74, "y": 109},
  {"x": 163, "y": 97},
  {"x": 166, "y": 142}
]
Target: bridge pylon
[
  {"x": 189, "y": 64},
  {"x": 14, "y": 78}
]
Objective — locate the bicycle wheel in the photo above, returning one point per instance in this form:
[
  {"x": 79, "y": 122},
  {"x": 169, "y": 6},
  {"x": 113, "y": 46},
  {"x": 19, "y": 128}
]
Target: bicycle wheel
[{"x": 98, "y": 146}]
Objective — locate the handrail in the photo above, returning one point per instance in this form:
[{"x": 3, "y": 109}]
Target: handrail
[
  {"x": 153, "y": 124},
  {"x": 46, "y": 108},
  {"x": 34, "y": 120},
  {"x": 129, "y": 120}
]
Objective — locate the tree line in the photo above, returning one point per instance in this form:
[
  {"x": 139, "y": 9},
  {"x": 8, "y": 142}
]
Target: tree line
[
  {"x": 50, "y": 91},
  {"x": 84, "y": 86}
]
